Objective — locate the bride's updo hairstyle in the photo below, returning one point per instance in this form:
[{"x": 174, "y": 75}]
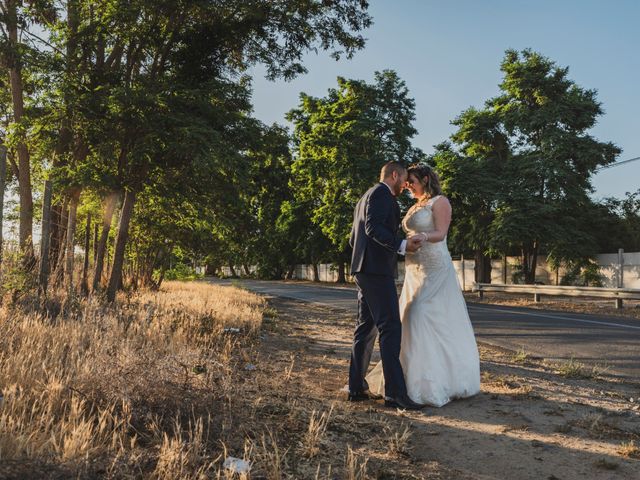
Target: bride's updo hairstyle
[{"x": 427, "y": 177}]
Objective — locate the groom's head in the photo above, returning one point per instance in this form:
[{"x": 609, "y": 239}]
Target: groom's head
[{"x": 394, "y": 174}]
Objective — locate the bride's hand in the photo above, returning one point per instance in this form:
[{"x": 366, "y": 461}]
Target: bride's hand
[{"x": 414, "y": 243}]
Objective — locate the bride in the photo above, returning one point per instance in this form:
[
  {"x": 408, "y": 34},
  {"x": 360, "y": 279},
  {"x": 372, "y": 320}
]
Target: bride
[{"x": 439, "y": 355}]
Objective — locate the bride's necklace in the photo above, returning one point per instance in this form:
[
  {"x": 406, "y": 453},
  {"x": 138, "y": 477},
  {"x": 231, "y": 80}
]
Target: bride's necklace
[{"x": 422, "y": 201}]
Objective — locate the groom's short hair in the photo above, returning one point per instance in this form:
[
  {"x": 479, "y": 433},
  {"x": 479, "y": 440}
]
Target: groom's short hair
[{"x": 390, "y": 167}]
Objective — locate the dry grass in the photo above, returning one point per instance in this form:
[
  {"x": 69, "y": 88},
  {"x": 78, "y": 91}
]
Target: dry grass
[
  {"x": 399, "y": 441},
  {"x": 123, "y": 388},
  {"x": 605, "y": 464},
  {"x": 506, "y": 385},
  {"x": 521, "y": 356},
  {"x": 315, "y": 432},
  {"x": 629, "y": 449},
  {"x": 574, "y": 369},
  {"x": 356, "y": 467},
  {"x": 157, "y": 387},
  {"x": 269, "y": 454}
]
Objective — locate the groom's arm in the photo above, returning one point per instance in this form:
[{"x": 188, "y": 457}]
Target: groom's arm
[{"x": 379, "y": 207}]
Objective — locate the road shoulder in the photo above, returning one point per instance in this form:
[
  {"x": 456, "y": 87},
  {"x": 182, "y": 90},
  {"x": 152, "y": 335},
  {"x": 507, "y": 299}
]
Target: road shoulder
[{"x": 531, "y": 420}]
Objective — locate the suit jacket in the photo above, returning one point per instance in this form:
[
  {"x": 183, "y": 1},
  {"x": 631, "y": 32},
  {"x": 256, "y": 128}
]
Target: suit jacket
[{"x": 374, "y": 234}]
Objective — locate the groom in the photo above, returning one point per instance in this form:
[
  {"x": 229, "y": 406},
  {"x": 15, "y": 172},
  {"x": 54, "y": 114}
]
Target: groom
[{"x": 375, "y": 243}]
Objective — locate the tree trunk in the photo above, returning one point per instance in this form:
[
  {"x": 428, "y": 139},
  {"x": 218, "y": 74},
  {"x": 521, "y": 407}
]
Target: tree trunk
[
  {"x": 107, "y": 218},
  {"x": 121, "y": 242},
  {"x": 247, "y": 271},
  {"x": 290, "y": 272},
  {"x": 3, "y": 181},
  {"x": 57, "y": 232},
  {"x": 65, "y": 135},
  {"x": 24, "y": 167},
  {"x": 529, "y": 262},
  {"x": 160, "y": 279},
  {"x": 482, "y": 267},
  {"x": 45, "y": 240},
  {"x": 60, "y": 254},
  {"x": 316, "y": 273},
  {"x": 84, "y": 285},
  {"x": 504, "y": 269},
  {"x": 147, "y": 273},
  {"x": 96, "y": 233},
  {"x": 341, "y": 273},
  {"x": 233, "y": 270},
  {"x": 534, "y": 262},
  {"x": 71, "y": 237}
]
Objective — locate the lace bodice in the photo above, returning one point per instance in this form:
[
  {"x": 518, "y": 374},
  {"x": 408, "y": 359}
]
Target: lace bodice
[{"x": 430, "y": 255}]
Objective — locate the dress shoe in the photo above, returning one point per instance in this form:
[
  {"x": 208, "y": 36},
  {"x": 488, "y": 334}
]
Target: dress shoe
[
  {"x": 403, "y": 402},
  {"x": 363, "y": 396}
]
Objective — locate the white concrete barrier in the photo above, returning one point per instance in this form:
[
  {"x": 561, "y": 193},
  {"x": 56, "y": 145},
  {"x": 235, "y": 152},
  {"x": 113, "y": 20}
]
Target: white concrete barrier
[{"x": 608, "y": 262}]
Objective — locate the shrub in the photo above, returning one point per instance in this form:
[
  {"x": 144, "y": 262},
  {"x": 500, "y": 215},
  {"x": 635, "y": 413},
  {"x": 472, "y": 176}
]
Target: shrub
[{"x": 181, "y": 272}]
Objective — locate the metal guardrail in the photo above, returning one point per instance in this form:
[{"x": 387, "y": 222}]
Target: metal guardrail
[{"x": 617, "y": 294}]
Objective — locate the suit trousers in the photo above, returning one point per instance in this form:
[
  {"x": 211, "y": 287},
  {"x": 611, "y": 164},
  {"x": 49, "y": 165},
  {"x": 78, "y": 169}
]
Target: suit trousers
[{"x": 378, "y": 312}]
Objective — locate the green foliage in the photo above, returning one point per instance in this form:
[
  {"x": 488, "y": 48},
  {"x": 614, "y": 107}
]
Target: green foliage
[
  {"x": 582, "y": 272},
  {"x": 151, "y": 98},
  {"x": 517, "y": 276},
  {"x": 180, "y": 272},
  {"x": 618, "y": 223},
  {"x": 341, "y": 142},
  {"x": 529, "y": 159},
  {"x": 16, "y": 278}
]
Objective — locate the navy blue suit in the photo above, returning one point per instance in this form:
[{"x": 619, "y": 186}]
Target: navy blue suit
[{"x": 375, "y": 243}]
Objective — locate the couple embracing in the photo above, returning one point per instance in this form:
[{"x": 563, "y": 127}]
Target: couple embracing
[{"x": 428, "y": 351}]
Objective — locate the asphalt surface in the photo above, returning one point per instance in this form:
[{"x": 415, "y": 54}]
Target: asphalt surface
[{"x": 608, "y": 342}]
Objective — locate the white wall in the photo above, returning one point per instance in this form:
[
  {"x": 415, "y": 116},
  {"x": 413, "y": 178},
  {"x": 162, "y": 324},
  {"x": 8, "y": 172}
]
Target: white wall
[{"x": 608, "y": 268}]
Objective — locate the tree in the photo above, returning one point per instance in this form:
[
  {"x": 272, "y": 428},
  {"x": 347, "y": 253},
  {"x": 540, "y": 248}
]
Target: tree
[
  {"x": 616, "y": 223},
  {"x": 264, "y": 188},
  {"x": 165, "y": 50},
  {"x": 535, "y": 138},
  {"x": 471, "y": 183},
  {"x": 15, "y": 52},
  {"x": 341, "y": 142}
]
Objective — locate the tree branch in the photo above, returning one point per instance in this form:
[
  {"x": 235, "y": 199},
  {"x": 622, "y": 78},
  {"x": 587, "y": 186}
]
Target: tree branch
[{"x": 43, "y": 41}]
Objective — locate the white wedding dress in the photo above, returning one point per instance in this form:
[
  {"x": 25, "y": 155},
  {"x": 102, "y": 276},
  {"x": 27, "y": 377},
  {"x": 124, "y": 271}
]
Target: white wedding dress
[{"x": 439, "y": 355}]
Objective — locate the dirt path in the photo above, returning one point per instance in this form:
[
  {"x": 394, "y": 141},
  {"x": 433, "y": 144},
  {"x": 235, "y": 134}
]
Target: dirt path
[{"x": 532, "y": 420}]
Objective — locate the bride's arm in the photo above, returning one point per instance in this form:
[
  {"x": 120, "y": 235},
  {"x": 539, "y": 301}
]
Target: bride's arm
[{"x": 441, "y": 209}]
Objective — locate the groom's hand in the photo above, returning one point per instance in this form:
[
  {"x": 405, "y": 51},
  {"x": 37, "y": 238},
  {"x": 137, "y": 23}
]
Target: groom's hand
[{"x": 414, "y": 243}]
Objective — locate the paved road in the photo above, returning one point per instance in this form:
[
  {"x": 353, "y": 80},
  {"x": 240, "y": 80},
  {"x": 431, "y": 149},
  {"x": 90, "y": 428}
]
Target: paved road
[{"x": 598, "y": 340}]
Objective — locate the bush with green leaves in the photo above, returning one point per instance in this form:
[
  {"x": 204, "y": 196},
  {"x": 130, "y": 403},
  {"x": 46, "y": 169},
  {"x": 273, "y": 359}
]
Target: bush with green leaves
[
  {"x": 583, "y": 272},
  {"x": 181, "y": 272}
]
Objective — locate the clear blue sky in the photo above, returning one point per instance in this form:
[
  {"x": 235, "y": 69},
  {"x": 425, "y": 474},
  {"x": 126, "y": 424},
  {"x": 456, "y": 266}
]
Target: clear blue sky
[{"x": 449, "y": 52}]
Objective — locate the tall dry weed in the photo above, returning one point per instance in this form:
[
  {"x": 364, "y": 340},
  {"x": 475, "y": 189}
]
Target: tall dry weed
[
  {"x": 315, "y": 433},
  {"x": 89, "y": 388},
  {"x": 356, "y": 467}
]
